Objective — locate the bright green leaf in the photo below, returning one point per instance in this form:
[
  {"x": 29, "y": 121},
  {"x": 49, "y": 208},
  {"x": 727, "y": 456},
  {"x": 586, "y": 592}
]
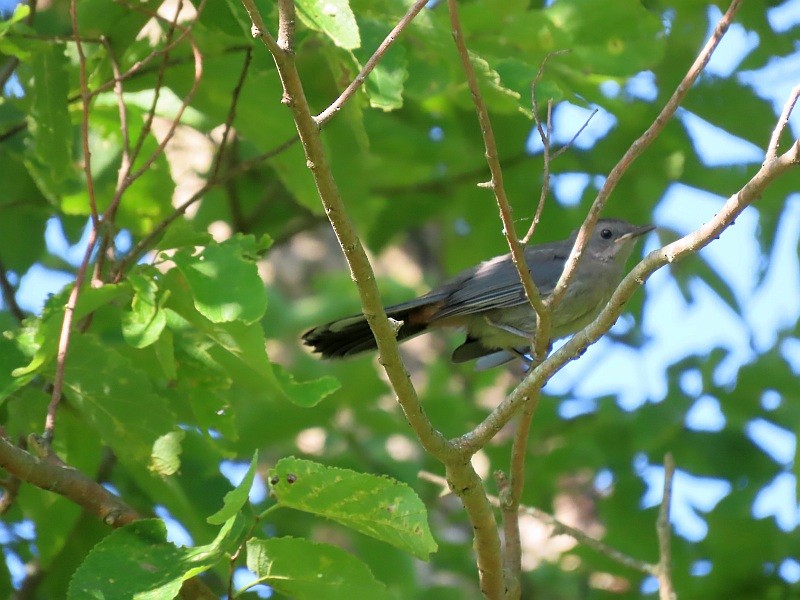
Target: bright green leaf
[
  {"x": 165, "y": 458},
  {"x": 224, "y": 280},
  {"x": 332, "y": 17},
  {"x": 376, "y": 506}
]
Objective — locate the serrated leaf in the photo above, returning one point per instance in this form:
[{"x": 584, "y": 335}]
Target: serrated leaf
[
  {"x": 237, "y": 497},
  {"x": 380, "y": 507},
  {"x": 224, "y": 280},
  {"x": 334, "y": 18},
  {"x": 496, "y": 94},
  {"x": 307, "y": 570},
  {"x": 137, "y": 562},
  {"x": 165, "y": 457}
]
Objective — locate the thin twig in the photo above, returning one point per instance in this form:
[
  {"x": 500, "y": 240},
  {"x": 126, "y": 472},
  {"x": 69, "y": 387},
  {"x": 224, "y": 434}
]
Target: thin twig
[
  {"x": 64, "y": 337},
  {"x": 636, "y": 149},
  {"x": 69, "y": 309},
  {"x": 198, "y": 74},
  {"x": 666, "y": 590},
  {"x": 237, "y": 90},
  {"x": 571, "y": 141},
  {"x": 560, "y": 528},
  {"x": 87, "y": 155},
  {"x": 496, "y": 183},
  {"x": 144, "y": 132},
  {"x": 125, "y": 161},
  {"x": 783, "y": 121},
  {"x": 327, "y": 114},
  {"x": 545, "y": 134},
  {"x": 510, "y": 499}
]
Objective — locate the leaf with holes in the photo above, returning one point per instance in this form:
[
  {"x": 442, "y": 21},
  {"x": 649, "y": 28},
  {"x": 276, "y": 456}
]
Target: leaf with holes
[{"x": 380, "y": 507}]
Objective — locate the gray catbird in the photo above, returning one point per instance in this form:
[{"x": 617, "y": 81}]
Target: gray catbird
[{"x": 489, "y": 301}]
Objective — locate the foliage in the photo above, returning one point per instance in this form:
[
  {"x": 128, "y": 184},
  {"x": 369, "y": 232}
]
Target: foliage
[{"x": 184, "y": 352}]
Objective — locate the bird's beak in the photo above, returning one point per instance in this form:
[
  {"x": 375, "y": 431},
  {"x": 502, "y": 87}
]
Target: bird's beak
[{"x": 636, "y": 233}]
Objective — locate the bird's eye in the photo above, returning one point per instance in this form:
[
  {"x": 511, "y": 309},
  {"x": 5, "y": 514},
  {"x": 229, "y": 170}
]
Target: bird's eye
[{"x": 606, "y": 234}]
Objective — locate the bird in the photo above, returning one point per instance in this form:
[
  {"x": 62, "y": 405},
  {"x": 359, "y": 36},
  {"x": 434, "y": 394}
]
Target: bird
[{"x": 489, "y": 302}]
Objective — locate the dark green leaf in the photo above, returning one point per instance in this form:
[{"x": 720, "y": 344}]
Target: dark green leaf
[{"x": 308, "y": 571}]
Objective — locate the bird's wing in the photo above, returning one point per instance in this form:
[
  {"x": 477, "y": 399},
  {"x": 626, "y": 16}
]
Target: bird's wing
[{"x": 495, "y": 283}]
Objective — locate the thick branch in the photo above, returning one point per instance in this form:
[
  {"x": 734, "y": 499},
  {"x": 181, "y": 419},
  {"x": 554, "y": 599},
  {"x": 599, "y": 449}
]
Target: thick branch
[
  {"x": 465, "y": 483},
  {"x": 49, "y": 473},
  {"x": 357, "y": 260}
]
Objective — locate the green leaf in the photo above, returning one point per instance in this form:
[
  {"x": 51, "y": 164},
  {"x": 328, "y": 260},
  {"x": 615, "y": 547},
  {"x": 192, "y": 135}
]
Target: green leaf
[
  {"x": 306, "y": 393},
  {"x": 143, "y": 324},
  {"x": 224, "y": 279},
  {"x": 116, "y": 399},
  {"x": 165, "y": 457},
  {"x": 307, "y": 570},
  {"x": 496, "y": 94},
  {"x": 332, "y": 17},
  {"x": 50, "y": 157},
  {"x": 237, "y": 497},
  {"x": 137, "y": 562},
  {"x": 384, "y": 86},
  {"x": 612, "y": 37},
  {"x": 376, "y": 506},
  {"x": 21, "y": 11},
  {"x": 11, "y": 358}
]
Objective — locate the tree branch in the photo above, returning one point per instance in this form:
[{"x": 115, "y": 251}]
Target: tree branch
[
  {"x": 327, "y": 114},
  {"x": 560, "y": 528},
  {"x": 637, "y": 149},
  {"x": 664, "y": 568},
  {"x": 753, "y": 190},
  {"x": 357, "y": 260},
  {"x": 542, "y": 334}
]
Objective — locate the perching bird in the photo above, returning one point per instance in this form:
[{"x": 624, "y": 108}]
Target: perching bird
[{"x": 489, "y": 302}]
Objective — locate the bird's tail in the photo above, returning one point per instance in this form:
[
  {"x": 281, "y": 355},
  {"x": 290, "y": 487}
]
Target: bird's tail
[{"x": 352, "y": 335}]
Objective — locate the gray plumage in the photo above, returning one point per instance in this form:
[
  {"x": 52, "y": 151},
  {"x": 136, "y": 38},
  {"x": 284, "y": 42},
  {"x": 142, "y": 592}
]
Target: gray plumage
[{"x": 489, "y": 301}]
